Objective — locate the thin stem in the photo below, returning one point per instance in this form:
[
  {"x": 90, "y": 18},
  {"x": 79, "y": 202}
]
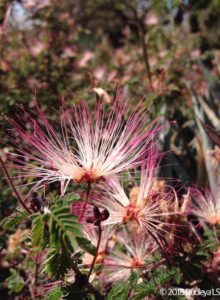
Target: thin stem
[
  {"x": 146, "y": 59},
  {"x": 85, "y": 201},
  {"x": 13, "y": 187},
  {"x": 97, "y": 249},
  {"x": 141, "y": 31}
]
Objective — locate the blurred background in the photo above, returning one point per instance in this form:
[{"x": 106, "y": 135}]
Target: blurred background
[{"x": 165, "y": 51}]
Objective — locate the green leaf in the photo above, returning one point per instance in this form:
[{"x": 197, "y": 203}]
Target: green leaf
[
  {"x": 54, "y": 294},
  {"x": 37, "y": 230},
  {"x": 210, "y": 243},
  {"x": 119, "y": 292},
  {"x": 14, "y": 219},
  {"x": 157, "y": 256},
  {"x": 62, "y": 230},
  {"x": 162, "y": 276},
  {"x": 64, "y": 227},
  {"x": 144, "y": 289},
  {"x": 15, "y": 282},
  {"x": 133, "y": 279},
  {"x": 177, "y": 276},
  {"x": 66, "y": 199},
  {"x": 86, "y": 245},
  {"x": 57, "y": 263}
]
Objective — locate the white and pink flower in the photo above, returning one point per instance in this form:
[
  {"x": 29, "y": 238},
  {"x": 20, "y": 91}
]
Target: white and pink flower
[
  {"x": 91, "y": 145},
  {"x": 91, "y": 233},
  {"x": 206, "y": 205},
  {"x": 149, "y": 204},
  {"x": 134, "y": 253}
]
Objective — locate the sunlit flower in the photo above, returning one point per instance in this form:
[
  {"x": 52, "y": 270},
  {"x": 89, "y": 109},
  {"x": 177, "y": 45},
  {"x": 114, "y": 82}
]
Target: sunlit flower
[
  {"x": 91, "y": 145},
  {"x": 134, "y": 253},
  {"x": 206, "y": 205},
  {"x": 149, "y": 205}
]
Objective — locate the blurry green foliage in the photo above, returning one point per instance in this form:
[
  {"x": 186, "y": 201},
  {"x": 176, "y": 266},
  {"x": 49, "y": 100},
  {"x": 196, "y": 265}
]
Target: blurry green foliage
[{"x": 15, "y": 282}]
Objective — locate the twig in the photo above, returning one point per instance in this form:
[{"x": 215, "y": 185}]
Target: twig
[
  {"x": 141, "y": 31},
  {"x": 13, "y": 187},
  {"x": 97, "y": 249}
]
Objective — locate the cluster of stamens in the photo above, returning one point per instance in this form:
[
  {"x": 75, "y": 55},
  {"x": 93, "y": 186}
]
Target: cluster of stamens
[
  {"x": 84, "y": 175},
  {"x": 136, "y": 262},
  {"x": 131, "y": 214},
  {"x": 100, "y": 257}
]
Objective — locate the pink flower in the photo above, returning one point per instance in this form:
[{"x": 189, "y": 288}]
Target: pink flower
[
  {"x": 133, "y": 253},
  {"x": 35, "y": 4},
  {"x": 206, "y": 205},
  {"x": 149, "y": 204},
  {"x": 91, "y": 146},
  {"x": 90, "y": 232}
]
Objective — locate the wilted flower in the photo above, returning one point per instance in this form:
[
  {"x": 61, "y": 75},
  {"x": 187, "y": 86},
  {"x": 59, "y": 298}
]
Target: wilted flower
[
  {"x": 92, "y": 145},
  {"x": 206, "y": 205},
  {"x": 133, "y": 253}
]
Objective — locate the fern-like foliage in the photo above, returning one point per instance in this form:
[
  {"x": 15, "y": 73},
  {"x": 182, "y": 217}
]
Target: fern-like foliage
[
  {"x": 59, "y": 226},
  {"x": 63, "y": 228},
  {"x": 133, "y": 290},
  {"x": 58, "y": 263},
  {"x": 16, "y": 218},
  {"x": 38, "y": 226},
  {"x": 54, "y": 294},
  {"x": 57, "y": 230},
  {"x": 210, "y": 243},
  {"x": 144, "y": 289},
  {"x": 133, "y": 279},
  {"x": 67, "y": 199},
  {"x": 162, "y": 277},
  {"x": 86, "y": 245},
  {"x": 119, "y": 292}
]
